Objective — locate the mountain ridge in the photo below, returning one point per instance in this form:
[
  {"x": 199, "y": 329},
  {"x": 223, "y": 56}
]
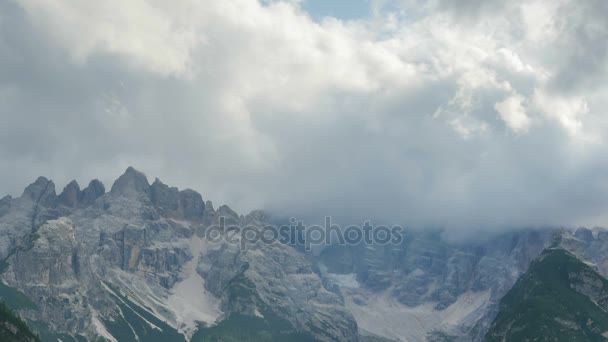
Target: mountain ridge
[
  {"x": 559, "y": 298},
  {"x": 134, "y": 242},
  {"x": 114, "y": 262}
]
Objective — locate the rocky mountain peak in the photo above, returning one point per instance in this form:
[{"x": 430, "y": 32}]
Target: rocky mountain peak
[
  {"x": 257, "y": 215},
  {"x": 164, "y": 197},
  {"x": 73, "y": 185},
  {"x": 226, "y": 211},
  {"x": 70, "y": 194},
  {"x": 93, "y": 191},
  {"x": 192, "y": 204},
  {"x": 186, "y": 204},
  {"x": 131, "y": 182},
  {"x": 42, "y": 191},
  {"x": 73, "y": 197},
  {"x": 209, "y": 206}
]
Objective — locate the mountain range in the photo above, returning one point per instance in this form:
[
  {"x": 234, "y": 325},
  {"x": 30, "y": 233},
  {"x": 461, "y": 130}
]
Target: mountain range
[{"x": 133, "y": 264}]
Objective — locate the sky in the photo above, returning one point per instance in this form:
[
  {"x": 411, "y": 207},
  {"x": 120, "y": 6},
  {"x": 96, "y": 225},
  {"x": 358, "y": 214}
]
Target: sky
[
  {"x": 464, "y": 114},
  {"x": 341, "y": 9}
]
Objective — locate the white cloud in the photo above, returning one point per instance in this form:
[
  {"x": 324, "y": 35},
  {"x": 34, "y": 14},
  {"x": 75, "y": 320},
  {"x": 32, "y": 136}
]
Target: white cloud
[
  {"x": 259, "y": 105},
  {"x": 154, "y": 35},
  {"x": 513, "y": 113},
  {"x": 567, "y": 111}
]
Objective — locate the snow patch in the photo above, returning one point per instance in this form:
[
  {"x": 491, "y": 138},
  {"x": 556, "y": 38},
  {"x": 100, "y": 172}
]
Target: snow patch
[
  {"x": 189, "y": 300},
  {"x": 257, "y": 313},
  {"x": 344, "y": 280},
  {"x": 152, "y": 325},
  {"x": 100, "y": 328}
]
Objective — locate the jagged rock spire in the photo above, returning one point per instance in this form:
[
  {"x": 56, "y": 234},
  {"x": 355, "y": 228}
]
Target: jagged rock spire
[
  {"x": 70, "y": 194},
  {"x": 132, "y": 182},
  {"x": 73, "y": 197}
]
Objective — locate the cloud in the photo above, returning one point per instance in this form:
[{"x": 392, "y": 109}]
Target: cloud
[
  {"x": 422, "y": 115},
  {"x": 150, "y": 34},
  {"x": 513, "y": 113},
  {"x": 567, "y": 111}
]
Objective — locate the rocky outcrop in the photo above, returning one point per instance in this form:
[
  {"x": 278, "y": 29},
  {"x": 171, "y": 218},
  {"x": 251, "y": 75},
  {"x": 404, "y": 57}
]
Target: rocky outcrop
[
  {"x": 53, "y": 259},
  {"x": 54, "y": 274},
  {"x": 5, "y": 204},
  {"x": 170, "y": 202}
]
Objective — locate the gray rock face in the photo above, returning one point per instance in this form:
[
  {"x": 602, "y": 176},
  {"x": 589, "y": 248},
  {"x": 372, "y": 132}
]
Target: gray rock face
[
  {"x": 132, "y": 249},
  {"x": 53, "y": 258},
  {"x": 54, "y": 274},
  {"x": 427, "y": 271},
  {"x": 284, "y": 282},
  {"x": 166, "y": 199},
  {"x": 590, "y": 285},
  {"x": 588, "y": 245},
  {"x": 191, "y": 205}
]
